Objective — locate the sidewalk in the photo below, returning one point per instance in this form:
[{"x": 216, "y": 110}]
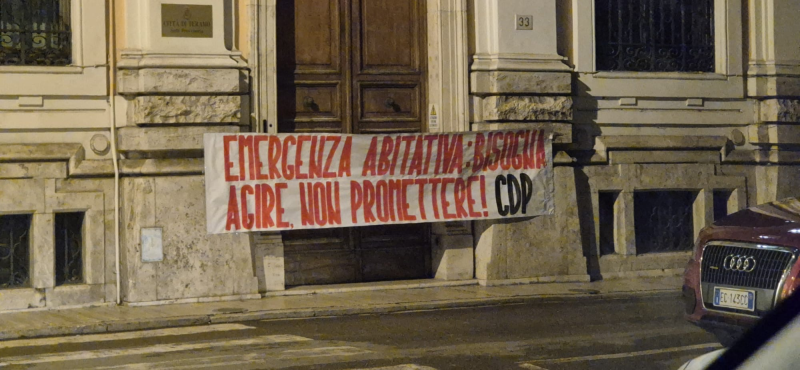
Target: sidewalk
[{"x": 303, "y": 302}]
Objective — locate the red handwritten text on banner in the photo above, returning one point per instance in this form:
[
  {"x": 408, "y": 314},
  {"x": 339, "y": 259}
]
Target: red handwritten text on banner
[{"x": 261, "y": 182}]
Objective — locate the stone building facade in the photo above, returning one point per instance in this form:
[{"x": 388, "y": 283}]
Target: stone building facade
[{"x": 101, "y": 132}]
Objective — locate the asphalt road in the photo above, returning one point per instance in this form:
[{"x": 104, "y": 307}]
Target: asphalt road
[{"x": 641, "y": 332}]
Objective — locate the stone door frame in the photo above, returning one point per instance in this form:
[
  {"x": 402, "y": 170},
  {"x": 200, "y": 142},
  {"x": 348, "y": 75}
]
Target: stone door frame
[{"x": 447, "y": 90}]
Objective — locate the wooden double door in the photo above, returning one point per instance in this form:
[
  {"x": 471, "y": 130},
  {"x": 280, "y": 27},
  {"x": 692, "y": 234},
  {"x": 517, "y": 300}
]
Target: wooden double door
[{"x": 353, "y": 66}]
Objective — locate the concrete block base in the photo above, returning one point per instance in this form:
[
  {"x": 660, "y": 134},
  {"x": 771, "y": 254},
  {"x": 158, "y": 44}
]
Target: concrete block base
[
  {"x": 540, "y": 279},
  {"x": 455, "y": 260},
  {"x": 643, "y": 274},
  {"x": 646, "y": 265},
  {"x": 20, "y": 299}
]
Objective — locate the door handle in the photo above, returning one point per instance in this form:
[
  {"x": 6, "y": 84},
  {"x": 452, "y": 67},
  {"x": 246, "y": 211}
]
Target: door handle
[{"x": 390, "y": 103}]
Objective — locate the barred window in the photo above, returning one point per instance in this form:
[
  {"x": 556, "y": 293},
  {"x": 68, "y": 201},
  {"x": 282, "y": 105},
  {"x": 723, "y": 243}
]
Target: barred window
[
  {"x": 69, "y": 248},
  {"x": 663, "y": 221},
  {"x": 15, "y": 251},
  {"x": 655, "y": 35},
  {"x": 35, "y": 33}
]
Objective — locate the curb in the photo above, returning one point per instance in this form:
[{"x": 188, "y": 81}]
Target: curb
[{"x": 219, "y": 318}]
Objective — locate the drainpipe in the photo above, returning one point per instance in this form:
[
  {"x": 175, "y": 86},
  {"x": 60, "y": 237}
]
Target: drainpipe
[{"x": 112, "y": 87}]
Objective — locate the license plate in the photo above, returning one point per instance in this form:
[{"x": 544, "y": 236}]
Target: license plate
[{"x": 735, "y": 298}]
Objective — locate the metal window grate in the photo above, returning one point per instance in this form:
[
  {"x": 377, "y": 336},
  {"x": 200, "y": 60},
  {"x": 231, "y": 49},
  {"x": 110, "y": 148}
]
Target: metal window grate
[
  {"x": 769, "y": 266},
  {"x": 663, "y": 221},
  {"x": 655, "y": 35},
  {"x": 15, "y": 250},
  {"x": 69, "y": 248},
  {"x": 35, "y": 33}
]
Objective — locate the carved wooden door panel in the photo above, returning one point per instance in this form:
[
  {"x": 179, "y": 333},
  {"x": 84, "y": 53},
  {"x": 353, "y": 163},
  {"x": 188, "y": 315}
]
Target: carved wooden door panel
[
  {"x": 314, "y": 96},
  {"x": 313, "y": 66},
  {"x": 353, "y": 66},
  {"x": 388, "y": 65},
  {"x": 389, "y": 97}
]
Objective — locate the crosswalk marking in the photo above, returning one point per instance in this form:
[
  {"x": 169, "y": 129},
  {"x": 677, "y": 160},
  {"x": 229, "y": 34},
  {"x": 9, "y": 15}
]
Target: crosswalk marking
[
  {"x": 205, "y": 362},
  {"x": 531, "y": 367},
  {"x": 323, "y": 351},
  {"x": 623, "y": 355},
  {"x": 200, "y": 366},
  {"x": 220, "y": 360},
  {"x": 163, "y": 348},
  {"x": 121, "y": 336},
  {"x": 401, "y": 367}
]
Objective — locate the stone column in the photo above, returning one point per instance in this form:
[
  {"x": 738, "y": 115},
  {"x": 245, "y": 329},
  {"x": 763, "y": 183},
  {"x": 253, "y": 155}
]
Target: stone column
[
  {"x": 43, "y": 259},
  {"x": 452, "y": 251},
  {"x": 173, "y": 77},
  {"x": 703, "y": 210},
  {"x": 268, "y": 261},
  {"x": 624, "y": 225},
  {"x": 519, "y": 80},
  {"x": 180, "y": 82},
  {"x": 517, "y": 74},
  {"x": 773, "y": 80},
  {"x": 539, "y": 249}
]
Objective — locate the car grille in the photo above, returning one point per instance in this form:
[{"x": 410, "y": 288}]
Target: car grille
[{"x": 767, "y": 274}]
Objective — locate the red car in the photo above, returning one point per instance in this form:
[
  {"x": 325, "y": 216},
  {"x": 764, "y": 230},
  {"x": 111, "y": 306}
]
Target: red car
[{"x": 742, "y": 266}]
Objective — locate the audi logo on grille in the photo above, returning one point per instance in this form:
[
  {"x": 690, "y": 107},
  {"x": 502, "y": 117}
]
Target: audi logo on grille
[{"x": 736, "y": 262}]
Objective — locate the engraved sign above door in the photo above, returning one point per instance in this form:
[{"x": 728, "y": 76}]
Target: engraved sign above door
[{"x": 178, "y": 20}]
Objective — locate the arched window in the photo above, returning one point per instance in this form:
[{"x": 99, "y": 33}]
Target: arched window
[{"x": 35, "y": 33}]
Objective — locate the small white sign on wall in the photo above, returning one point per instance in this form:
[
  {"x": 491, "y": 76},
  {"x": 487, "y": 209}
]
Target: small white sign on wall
[
  {"x": 433, "y": 118},
  {"x": 152, "y": 249}
]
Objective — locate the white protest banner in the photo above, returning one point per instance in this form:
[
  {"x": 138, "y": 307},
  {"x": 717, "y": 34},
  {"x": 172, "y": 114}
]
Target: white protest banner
[{"x": 268, "y": 182}]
